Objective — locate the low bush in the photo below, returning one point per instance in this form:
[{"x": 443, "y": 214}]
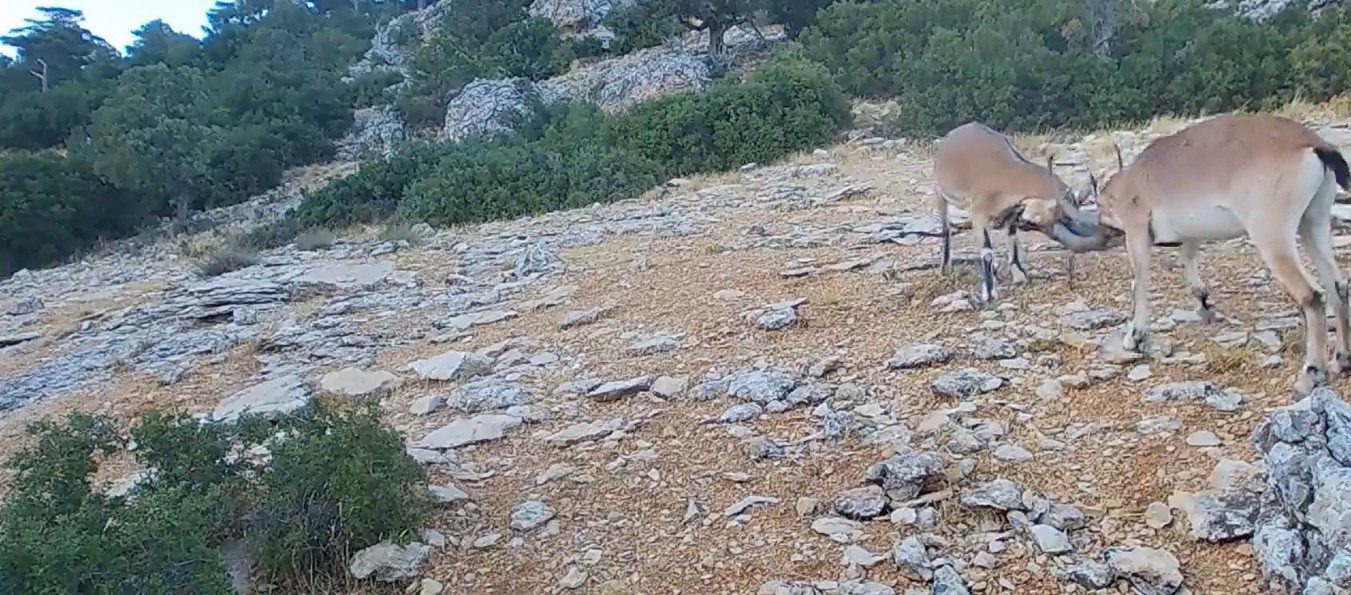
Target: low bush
[
  {"x": 1029, "y": 65},
  {"x": 270, "y": 235},
  {"x": 568, "y": 156},
  {"x": 315, "y": 239},
  {"x": 336, "y": 482},
  {"x": 226, "y": 259},
  {"x": 787, "y": 105}
]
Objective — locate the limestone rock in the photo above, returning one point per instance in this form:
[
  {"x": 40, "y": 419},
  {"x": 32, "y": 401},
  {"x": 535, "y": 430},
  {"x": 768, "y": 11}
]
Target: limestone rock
[
  {"x": 274, "y": 397},
  {"x": 358, "y": 383},
  {"x": 388, "y": 562},
  {"x": 480, "y": 428},
  {"x": 452, "y": 365}
]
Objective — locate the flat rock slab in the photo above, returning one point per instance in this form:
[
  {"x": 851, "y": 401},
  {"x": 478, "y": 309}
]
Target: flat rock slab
[
  {"x": 452, "y": 365},
  {"x": 347, "y": 276},
  {"x": 355, "y": 382},
  {"x": 388, "y": 562},
  {"x": 464, "y": 322},
  {"x": 480, "y": 428},
  {"x": 279, "y": 396},
  {"x": 920, "y": 355},
  {"x": 10, "y": 340},
  {"x": 581, "y": 432},
  {"x": 966, "y": 383},
  {"x": 614, "y": 391}
]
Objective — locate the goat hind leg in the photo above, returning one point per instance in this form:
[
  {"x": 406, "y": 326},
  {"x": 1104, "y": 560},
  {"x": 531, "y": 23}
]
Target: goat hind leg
[
  {"x": 1137, "y": 248},
  {"x": 1317, "y": 236},
  {"x": 1204, "y": 307},
  {"x": 1283, "y": 260},
  {"x": 1017, "y": 273}
]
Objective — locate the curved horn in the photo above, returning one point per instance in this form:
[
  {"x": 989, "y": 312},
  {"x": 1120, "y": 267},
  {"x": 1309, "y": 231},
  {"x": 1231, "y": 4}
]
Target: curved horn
[
  {"x": 1120, "y": 165},
  {"x": 1092, "y": 181}
]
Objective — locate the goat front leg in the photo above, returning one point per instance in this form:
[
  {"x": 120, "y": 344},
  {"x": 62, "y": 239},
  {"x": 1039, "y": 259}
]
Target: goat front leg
[
  {"x": 945, "y": 229},
  {"x": 1137, "y": 248},
  {"x": 1016, "y": 270},
  {"x": 988, "y": 294},
  {"x": 1204, "y": 308}
]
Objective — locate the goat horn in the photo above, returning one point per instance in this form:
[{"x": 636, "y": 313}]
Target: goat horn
[{"x": 1120, "y": 165}]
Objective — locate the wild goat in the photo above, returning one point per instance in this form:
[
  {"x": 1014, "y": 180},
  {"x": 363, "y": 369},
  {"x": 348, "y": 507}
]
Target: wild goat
[
  {"x": 1265, "y": 176},
  {"x": 980, "y": 171}
]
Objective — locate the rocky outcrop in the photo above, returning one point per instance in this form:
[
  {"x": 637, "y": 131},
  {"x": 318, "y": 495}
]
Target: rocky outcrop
[
  {"x": 1262, "y": 9},
  {"x": 373, "y": 129},
  {"x": 1303, "y": 540},
  {"x": 573, "y": 15},
  {"x": 484, "y": 107},
  {"x": 624, "y": 82}
]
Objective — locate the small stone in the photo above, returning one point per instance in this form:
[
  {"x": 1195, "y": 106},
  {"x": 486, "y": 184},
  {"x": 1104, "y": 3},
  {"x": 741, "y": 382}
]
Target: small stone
[
  {"x": 358, "y": 383},
  {"x": 574, "y": 579},
  {"x": 807, "y": 507},
  {"x": 1012, "y": 453},
  {"x": 580, "y": 318},
  {"x": 1051, "y": 540},
  {"x": 669, "y": 387},
  {"x": 446, "y": 494},
  {"x": 1138, "y": 373},
  {"x": 947, "y": 582},
  {"x": 1158, "y": 515},
  {"x": 740, "y": 413},
  {"x": 862, "y": 503},
  {"x": 1050, "y": 390},
  {"x": 388, "y": 562},
  {"x": 530, "y": 514},
  {"x": 838, "y": 528},
  {"x": 1150, "y": 571},
  {"x": 912, "y": 558},
  {"x": 747, "y": 503},
  {"x": 777, "y": 319},
  {"x": 426, "y": 405},
  {"x": 614, "y": 391},
  {"x": 921, "y": 355},
  {"x": 1158, "y": 425},
  {"x": 855, "y": 554},
  {"x": 965, "y": 383},
  {"x": 430, "y": 587},
  {"x": 451, "y": 365},
  {"x": 999, "y": 494},
  {"x": 1203, "y": 438}
]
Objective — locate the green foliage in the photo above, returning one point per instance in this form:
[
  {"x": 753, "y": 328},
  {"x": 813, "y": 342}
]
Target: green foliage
[
  {"x": 337, "y": 482},
  {"x": 788, "y": 105},
  {"x": 1032, "y": 64},
  {"x": 344, "y": 482},
  {"x": 643, "y": 24},
  {"x": 315, "y": 239},
  {"x": 51, "y": 207},
  {"x": 479, "y": 39},
  {"x": 178, "y": 124},
  {"x": 568, "y": 156},
  {"x": 227, "y": 259},
  {"x": 270, "y": 235}
]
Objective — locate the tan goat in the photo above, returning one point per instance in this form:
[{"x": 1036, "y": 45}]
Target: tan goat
[
  {"x": 1265, "y": 176},
  {"x": 979, "y": 170}
]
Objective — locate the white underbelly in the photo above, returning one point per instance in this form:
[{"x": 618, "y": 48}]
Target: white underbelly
[{"x": 1195, "y": 222}]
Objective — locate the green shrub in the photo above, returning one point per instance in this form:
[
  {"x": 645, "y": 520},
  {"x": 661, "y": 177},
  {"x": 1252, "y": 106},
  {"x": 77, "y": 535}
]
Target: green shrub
[
  {"x": 342, "y": 483},
  {"x": 1031, "y": 64},
  {"x": 400, "y": 231},
  {"x": 337, "y": 482},
  {"x": 786, "y": 106},
  {"x": 225, "y": 260},
  {"x": 270, "y": 235},
  {"x": 315, "y": 239},
  {"x": 373, "y": 192},
  {"x": 642, "y": 24},
  {"x": 569, "y": 156}
]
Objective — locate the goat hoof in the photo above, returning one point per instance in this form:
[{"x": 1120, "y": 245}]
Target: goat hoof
[
  {"x": 1018, "y": 277},
  {"x": 1341, "y": 363},
  {"x": 1311, "y": 378},
  {"x": 1207, "y": 315},
  {"x": 1133, "y": 340}
]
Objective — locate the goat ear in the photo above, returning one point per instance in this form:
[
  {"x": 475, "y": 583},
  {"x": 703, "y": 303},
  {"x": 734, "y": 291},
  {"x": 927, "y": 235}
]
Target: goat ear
[
  {"x": 1050, "y": 162},
  {"x": 1093, "y": 181}
]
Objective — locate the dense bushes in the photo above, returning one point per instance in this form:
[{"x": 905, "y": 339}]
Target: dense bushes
[
  {"x": 1032, "y": 64},
  {"x": 177, "y": 124},
  {"x": 572, "y": 156},
  {"x": 51, "y": 207},
  {"x": 336, "y": 482}
]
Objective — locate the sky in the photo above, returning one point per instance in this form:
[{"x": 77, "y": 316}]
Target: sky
[{"x": 113, "y": 20}]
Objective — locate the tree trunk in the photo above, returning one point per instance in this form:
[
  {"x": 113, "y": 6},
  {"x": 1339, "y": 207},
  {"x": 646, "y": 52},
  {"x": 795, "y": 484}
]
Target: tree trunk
[
  {"x": 1103, "y": 14},
  {"x": 717, "y": 30},
  {"x": 42, "y": 76}
]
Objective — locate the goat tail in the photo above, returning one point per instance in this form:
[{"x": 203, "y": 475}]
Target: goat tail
[{"x": 1334, "y": 161}]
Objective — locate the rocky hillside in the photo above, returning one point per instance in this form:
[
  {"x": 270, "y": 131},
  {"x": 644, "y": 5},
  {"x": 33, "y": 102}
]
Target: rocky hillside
[{"x": 751, "y": 382}]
